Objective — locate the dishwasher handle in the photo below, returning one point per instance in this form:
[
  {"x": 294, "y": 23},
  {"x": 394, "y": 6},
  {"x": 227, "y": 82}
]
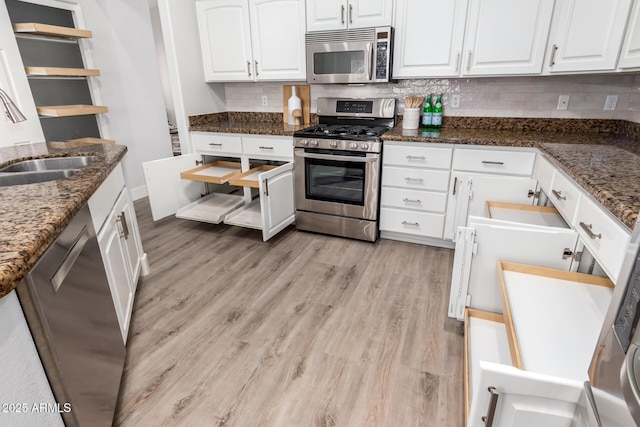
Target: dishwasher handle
[{"x": 69, "y": 260}]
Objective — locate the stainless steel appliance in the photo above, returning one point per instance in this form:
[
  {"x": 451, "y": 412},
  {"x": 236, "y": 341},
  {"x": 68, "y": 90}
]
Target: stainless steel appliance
[
  {"x": 612, "y": 396},
  {"x": 337, "y": 167},
  {"x": 68, "y": 306},
  {"x": 350, "y": 56}
]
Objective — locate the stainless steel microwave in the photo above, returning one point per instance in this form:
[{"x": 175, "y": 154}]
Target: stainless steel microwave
[{"x": 350, "y": 56}]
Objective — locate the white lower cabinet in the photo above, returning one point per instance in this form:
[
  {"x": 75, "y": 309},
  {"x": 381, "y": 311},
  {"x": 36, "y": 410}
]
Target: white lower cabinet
[{"x": 183, "y": 185}]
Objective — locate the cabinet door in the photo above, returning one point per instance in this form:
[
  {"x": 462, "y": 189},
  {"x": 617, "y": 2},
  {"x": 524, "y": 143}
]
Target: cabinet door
[
  {"x": 587, "y": 34},
  {"x": 276, "y": 200},
  {"x": 630, "y": 56},
  {"x": 325, "y": 15},
  {"x": 521, "y": 398},
  {"x": 369, "y": 13},
  {"x": 277, "y": 34},
  {"x": 416, "y": 54},
  {"x": 486, "y": 241},
  {"x": 469, "y": 192},
  {"x": 507, "y": 37},
  {"x": 127, "y": 225},
  {"x": 225, "y": 39},
  {"x": 167, "y": 191},
  {"x": 116, "y": 264}
]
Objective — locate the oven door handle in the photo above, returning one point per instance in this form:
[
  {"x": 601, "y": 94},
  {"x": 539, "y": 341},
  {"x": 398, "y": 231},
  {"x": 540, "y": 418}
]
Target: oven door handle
[{"x": 354, "y": 159}]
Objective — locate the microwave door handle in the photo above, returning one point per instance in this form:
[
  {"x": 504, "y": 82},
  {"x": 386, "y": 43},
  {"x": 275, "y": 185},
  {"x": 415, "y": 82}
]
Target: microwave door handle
[
  {"x": 354, "y": 159},
  {"x": 369, "y": 75}
]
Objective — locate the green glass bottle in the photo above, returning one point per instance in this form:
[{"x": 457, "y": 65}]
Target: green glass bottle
[
  {"x": 436, "y": 121},
  {"x": 427, "y": 114}
]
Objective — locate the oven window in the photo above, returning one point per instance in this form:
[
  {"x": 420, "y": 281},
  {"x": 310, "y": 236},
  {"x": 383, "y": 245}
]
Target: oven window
[
  {"x": 342, "y": 62},
  {"x": 335, "y": 181}
]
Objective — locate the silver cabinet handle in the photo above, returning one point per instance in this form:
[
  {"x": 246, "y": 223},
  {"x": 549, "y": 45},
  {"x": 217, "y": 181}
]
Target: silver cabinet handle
[
  {"x": 558, "y": 195},
  {"x": 249, "y": 68},
  {"x": 122, "y": 219},
  {"x": 408, "y": 179},
  {"x": 587, "y": 229},
  {"x": 215, "y": 144},
  {"x": 490, "y": 162},
  {"x": 493, "y": 404},
  {"x": 262, "y": 147},
  {"x": 458, "y": 62},
  {"x": 416, "y": 158},
  {"x": 256, "y": 70},
  {"x": 469, "y": 62},
  {"x": 68, "y": 262},
  {"x": 413, "y": 224},
  {"x": 455, "y": 184},
  {"x": 552, "y": 61},
  {"x": 350, "y": 14},
  {"x": 342, "y": 14},
  {"x": 266, "y": 187},
  {"x": 411, "y": 200}
]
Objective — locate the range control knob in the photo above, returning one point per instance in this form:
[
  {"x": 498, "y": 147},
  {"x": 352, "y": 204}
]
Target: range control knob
[
  {"x": 353, "y": 145},
  {"x": 333, "y": 144},
  {"x": 364, "y": 146},
  {"x": 304, "y": 142},
  {"x": 313, "y": 143}
]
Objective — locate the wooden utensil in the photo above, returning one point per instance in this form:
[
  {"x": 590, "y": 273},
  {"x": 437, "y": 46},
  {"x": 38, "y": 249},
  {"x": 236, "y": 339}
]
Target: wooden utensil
[{"x": 413, "y": 101}]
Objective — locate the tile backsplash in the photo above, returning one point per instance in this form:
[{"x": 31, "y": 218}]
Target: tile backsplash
[{"x": 480, "y": 97}]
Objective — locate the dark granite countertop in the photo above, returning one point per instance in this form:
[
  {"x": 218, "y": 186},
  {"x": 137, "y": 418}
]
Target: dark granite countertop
[{"x": 34, "y": 215}]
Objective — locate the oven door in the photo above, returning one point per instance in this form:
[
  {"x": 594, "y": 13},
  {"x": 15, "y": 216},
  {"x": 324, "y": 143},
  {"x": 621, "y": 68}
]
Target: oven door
[
  {"x": 340, "y": 62},
  {"x": 343, "y": 184}
]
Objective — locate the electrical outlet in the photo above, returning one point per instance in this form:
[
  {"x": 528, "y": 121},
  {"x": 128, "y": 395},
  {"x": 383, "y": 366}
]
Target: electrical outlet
[
  {"x": 265, "y": 101},
  {"x": 611, "y": 102},
  {"x": 455, "y": 101},
  {"x": 563, "y": 102}
]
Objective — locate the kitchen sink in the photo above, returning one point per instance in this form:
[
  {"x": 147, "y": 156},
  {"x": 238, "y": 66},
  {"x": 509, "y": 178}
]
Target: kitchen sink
[
  {"x": 33, "y": 177},
  {"x": 49, "y": 164}
]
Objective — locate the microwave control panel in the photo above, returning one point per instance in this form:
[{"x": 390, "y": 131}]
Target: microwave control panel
[
  {"x": 382, "y": 60},
  {"x": 626, "y": 321}
]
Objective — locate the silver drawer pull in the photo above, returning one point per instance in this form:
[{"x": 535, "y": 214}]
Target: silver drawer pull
[
  {"x": 414, "y": 179},
  {"x": 558, "y": 195},
  {"x": 411, "y": 200},
  {"x": 587, "y": 229},
  {"x": 416, "y": 158},
  {"x": 493, "y": 404},
  {"x": 215, "y": 144},
  {"x": 413, "y": 224},
  {"x": 262, "y": 147},
  {"x": 490, "y": 162}
]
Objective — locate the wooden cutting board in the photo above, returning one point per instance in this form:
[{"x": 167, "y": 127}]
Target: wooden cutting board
[{"x": 304, "y": 93}]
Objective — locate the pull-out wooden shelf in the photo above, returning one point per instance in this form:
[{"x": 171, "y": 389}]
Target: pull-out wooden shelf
[
  {"x": 61, "y": 72},
  {"x": 553, "y": 317},
  {"x": 212, "y": 208},
  {"x": 91, "y": 140},
  {"x": 219, "y": 172},
  {"x": 526, "y": 214},
  {"x": 50, "y": 30},
  {"x": 250, "y": 178},
  {"x": 70, "y": 110}
]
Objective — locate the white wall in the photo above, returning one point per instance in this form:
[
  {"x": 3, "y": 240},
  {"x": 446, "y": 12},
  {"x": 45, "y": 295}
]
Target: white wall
[{"x": 161, "y": 55}]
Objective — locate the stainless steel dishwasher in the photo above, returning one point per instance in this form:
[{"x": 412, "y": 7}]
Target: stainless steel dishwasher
[{"x": 71, "y": 315}]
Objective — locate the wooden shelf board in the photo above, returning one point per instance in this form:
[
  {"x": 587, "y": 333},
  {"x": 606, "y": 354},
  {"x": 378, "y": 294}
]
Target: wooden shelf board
[
  {"x": 65, "y": 72},
  {"x": 50, "y": 30},
  {"x": 91, "y": 140},
  {"x": 216, "y": 172},
  {"x": 250, "y": 177},
  {"x": 70, "y": 110}
]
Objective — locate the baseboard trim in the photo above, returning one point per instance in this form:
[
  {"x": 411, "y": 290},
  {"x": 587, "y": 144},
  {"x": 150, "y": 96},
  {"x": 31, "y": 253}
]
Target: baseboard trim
[
  {"x": 138, "y": 192},
  {"x": 429, "y": 241}
]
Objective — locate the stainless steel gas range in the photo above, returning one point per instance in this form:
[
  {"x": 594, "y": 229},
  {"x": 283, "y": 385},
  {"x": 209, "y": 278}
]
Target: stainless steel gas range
[{"x": 337, "y": 167}]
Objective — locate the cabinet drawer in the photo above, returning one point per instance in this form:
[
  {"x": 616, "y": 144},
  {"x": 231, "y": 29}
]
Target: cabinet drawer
[
  {"x": 416, "y": 223},
  {"x": 422, "y": 179},
  {"x": 564, "y": 195},
  {"x": 216, "y": 144},
  {"x": 267, "y": 147},
  {"x": 604, "y": 236},
  {"x": 414, "y": 199},
  {"x": 543, "y": 173},
  {"x": 428, "y": 157},
  {"x": 494, "y": 161}
]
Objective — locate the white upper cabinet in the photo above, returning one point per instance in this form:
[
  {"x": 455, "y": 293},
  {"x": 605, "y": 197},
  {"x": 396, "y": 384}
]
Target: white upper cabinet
[
  {"x": 630, "y": 56},
  {"x": 323, "y": 15},
  {"x": 249, "y": 40},
  {"x": 417, "y": 53},
  {"x": 587, "y": 35},
  {"x": 506, "y": 37}
]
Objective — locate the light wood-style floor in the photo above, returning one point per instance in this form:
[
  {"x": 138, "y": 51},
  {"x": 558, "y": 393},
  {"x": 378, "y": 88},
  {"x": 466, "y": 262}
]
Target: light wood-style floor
[{"x": 303, "y": 330}]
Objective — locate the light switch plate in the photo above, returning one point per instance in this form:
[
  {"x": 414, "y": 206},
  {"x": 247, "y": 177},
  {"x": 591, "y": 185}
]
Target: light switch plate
[
  {"x": 455, "y": 101},
  {"x": 563, "y": 102}
]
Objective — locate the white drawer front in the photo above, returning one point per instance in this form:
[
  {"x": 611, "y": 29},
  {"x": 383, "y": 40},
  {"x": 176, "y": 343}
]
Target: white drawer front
[
  {"x": 543, "y": 173},
  {"x": 428, "y": 157},
  {"x": 494, "y": 161},
  {"x": 267, "y": 147},
  {"x": 564, "y": 195},
  {"x": 102, "y": 201},
  {"x": 420, "y": 179},
  {"x": 216, "y": 144},
  {"x": 603, "y": 235},
  {"x": 416, "y": 223},
  {"x": 414, "y": 199}
]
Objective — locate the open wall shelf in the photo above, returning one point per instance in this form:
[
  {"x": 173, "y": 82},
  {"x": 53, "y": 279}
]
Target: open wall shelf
[
  {"x": 70, "y": 110},
  {"x": 90, "y": 140},
  {"x": 61, "y": 72},
  {"x": 37, "y": 29}
]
